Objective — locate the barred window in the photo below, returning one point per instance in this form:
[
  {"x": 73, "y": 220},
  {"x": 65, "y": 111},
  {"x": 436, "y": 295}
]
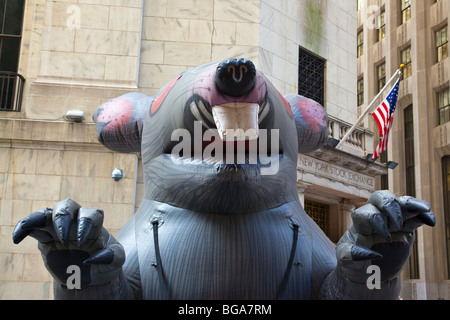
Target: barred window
[
  {"x": 311, "y": 76},
  {"x": 319, "y": 213}
]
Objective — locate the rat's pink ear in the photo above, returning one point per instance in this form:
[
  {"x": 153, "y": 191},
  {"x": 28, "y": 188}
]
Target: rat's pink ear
[
  {"x": 119, "y": 122},
  {"x": 311, "y": 121}
]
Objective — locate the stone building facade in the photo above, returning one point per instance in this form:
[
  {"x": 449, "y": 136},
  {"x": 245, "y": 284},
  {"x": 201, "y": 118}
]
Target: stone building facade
[
  {"x": 414, "y": 33},
  {"x": 77, "y": 54}
]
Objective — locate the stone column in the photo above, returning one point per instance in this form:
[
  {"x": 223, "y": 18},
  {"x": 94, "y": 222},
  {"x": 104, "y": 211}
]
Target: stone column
[
  {"x": 346, "y": 208},
  {"x": 301, "y": 188}
]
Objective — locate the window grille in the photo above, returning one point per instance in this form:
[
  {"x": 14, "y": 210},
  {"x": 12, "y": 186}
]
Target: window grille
[
  {"x": 319, "y": 213},
  {"x": 11, "y": 90},
  {"x": 311, "y": 76}
]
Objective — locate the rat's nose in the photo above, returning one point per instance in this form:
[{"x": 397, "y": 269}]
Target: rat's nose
[{"x": 235, "y": 77}]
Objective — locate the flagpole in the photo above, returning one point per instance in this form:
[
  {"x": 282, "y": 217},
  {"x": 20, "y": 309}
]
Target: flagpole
[{"x": 368, "y": 109}]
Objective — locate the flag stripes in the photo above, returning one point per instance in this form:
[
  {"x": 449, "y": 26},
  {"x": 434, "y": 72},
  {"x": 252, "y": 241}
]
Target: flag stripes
[{"x": 384, "y": 117}]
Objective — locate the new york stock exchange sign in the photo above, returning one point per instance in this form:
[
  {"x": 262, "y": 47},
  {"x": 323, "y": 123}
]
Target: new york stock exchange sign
[{"x": 335, "y": 173}]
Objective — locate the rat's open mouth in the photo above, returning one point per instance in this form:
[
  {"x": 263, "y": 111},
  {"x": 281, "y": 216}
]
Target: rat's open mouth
[{"x": 228, "y": 135}]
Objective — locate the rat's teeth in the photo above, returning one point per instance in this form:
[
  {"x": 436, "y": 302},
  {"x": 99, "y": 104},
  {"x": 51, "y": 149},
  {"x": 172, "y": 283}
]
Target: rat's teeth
[{"x": 237, "y": 121}]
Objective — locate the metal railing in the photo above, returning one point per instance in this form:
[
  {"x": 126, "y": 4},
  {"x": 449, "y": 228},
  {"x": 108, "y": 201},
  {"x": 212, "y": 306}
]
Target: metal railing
[{"x": 11, "y": 91}]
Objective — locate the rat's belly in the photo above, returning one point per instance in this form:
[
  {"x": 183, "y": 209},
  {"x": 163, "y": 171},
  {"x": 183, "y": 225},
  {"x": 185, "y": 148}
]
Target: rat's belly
[{"x": 223, "y": 256}]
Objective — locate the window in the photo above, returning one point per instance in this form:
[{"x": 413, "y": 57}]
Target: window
[
  {"x": 406, "y": 10},
  {"x": 446, "y": 185},
  {"x": 409, "y": 152},
  {"x": 384, "y": 179},
  {"x": 381, "y": 76},
  {"x": 360, "y": 43},
  {"x": 311, "y": 76},
  {"x": 406, "y": 60},
  {"x": 443, "y": 100},
  {"x": 411, "y": 182},
  {"x": 381, "y": 26},
  {"x": 442, "y": 43},
  {"x": 360, "y": 91},
  {"x": 11, "y": 15},
  {"x": 11, "y": 84},
  {"x": 319, "y": 213}
]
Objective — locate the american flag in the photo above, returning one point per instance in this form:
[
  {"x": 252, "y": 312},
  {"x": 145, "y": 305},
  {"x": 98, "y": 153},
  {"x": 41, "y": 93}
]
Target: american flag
[{"x": 384, "y": 117}]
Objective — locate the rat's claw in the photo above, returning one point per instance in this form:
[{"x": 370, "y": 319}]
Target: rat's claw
[
  {"x": 89, "y": 224},
  {"x": 368, "y": 219},
  {"x": 113, "y": 255},
  {"x": 361, "y": 254},
  {"x": 416, "y": 213},
  {"x": 427, "y": 218},
  {"x": 36, "y": 220},
  {"x": 414, "y": 205},
  {"x": 106, "y": 256},
  {"x": 378, "y": 225},
  {"x": 64, "y": 214},
  {"x": 354, "y": 252},
  {"x": 386, "y": 202}
]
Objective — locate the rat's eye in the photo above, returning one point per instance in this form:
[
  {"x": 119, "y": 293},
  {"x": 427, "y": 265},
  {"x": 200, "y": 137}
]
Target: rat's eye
[{"x": 159, "y": 100}]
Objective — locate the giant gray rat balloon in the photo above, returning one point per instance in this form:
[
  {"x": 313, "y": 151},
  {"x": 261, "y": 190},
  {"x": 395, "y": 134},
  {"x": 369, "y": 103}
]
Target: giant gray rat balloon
[{"x": 221, "y": 218}]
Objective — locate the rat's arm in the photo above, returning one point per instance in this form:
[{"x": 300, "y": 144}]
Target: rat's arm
[
  {"x": 119, "y": 121},
  {"x": 373, "y": 252},
  {"x": 84, "y": 259}
]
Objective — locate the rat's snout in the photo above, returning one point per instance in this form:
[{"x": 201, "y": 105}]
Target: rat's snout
[
  {"x": 235, "y": 77},
  {"x": 236, "y": 120}
]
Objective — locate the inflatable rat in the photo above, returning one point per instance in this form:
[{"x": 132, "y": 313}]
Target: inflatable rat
[{"x": 221, "y": 218}]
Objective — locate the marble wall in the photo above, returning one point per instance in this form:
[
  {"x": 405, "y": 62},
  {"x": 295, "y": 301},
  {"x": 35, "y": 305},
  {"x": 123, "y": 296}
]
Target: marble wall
[
  {"x": 35, "y": 174},
  {"x": 326, "y": 28},
  {"x": 180, "y": 34},
  {"x": 76, "y": 54}
]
